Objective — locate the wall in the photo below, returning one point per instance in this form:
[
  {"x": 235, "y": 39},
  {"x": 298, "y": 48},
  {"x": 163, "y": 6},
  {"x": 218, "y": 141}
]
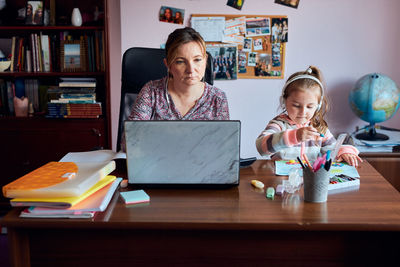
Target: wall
[{"x": 345, "y": 39}]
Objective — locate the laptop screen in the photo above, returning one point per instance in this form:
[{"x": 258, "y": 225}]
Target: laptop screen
[{"x": 183, "y": 152}]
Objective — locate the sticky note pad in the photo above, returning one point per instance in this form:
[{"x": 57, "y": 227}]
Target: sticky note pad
[{"x": 135, "y": 196}]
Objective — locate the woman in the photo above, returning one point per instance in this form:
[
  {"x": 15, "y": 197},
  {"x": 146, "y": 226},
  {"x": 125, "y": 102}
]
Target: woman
[
  {"x": 182, "y": 94},
  {"x": 167, "y": 16}
]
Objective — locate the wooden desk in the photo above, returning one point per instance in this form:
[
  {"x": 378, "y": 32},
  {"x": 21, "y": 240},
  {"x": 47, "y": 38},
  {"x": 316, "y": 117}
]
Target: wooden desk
[
  {"x": 387, "y": 164},
  {"x": 230, "y": 227}
]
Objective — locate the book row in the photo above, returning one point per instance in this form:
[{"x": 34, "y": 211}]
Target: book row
[
  {"x": 38, "y": 52},
  {"x": 70, "y": 101}
]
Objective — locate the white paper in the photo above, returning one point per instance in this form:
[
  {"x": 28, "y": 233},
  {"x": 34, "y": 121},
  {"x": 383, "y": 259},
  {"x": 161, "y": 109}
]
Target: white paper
[
  {"x": 210, "y": 28},
  {"x": 104, "y": 155}
]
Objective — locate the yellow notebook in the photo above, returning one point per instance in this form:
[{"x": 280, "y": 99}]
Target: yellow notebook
[
  {"x": 59, "y": 179},
  {"x": 62, "y": 202}
]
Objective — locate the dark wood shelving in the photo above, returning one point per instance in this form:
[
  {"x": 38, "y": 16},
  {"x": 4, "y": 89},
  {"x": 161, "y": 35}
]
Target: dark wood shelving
[
  {"x": 49, "y": 74},
  {"x": 50, "y": 28},
  {"x": 31, "y": 142}
]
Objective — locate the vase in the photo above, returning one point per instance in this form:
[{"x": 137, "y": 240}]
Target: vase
[{"x": 76, "y": 18}]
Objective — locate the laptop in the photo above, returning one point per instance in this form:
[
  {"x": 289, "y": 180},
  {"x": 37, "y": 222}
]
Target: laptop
[{"x": 183, "y": 153}]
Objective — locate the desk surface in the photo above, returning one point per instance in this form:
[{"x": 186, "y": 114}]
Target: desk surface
[
  {"x": 228, "y": 227},
  {"x": 375, "y": 206}
]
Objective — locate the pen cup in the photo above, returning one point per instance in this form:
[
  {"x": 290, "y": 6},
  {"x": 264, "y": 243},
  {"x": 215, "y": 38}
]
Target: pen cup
[{"x": 315, "y": 185}]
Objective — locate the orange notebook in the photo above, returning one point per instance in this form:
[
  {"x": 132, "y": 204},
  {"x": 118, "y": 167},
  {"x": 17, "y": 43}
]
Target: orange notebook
[{"x": 59, "y": 179}]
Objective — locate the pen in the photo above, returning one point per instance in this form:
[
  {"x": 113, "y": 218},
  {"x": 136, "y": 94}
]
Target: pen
[
  {"x": 301, "y": 163},
  {"x": 307, "y": 161}
]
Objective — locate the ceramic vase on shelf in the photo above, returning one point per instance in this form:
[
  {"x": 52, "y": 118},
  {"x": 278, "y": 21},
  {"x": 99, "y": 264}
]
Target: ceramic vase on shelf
[{"x": 76, "y": 18}]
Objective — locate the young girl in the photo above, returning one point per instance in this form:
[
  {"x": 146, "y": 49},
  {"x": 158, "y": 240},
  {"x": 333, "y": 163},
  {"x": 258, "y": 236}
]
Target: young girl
[{"x": 301, "y": 127}]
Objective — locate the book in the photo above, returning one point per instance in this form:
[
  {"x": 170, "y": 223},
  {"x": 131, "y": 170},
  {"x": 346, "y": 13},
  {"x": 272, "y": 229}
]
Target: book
[
  {"x": 96, "y": 202},
  {"x": 63, "y": 202},
  {"x": 45, "y": 52},
  {"x": 93, "y": 156},
  {"x": 85, "y": 214},
  {"x": 77, "y": 82},
  {"x": 52, "y": 180},
  {"x": 135, "y": 197}
]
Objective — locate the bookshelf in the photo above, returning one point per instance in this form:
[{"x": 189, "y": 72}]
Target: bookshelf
[{"x": 30, "y": 142}]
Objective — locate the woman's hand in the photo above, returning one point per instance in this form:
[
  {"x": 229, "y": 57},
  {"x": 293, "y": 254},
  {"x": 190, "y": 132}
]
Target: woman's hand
[
  {"x": 351, "y": 159},
  {"x": 307, "y": 133}
]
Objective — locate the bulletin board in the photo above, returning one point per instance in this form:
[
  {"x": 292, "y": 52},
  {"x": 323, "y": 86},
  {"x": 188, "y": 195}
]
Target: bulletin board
[{"x": 260, "y": 51}]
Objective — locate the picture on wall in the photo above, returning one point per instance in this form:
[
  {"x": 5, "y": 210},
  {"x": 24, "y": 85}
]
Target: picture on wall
[
  {"x": 171, "y": 15},
  {"x": 289, "y": 3},
  {"x": 238, "y": 4},
  {"x": 224, "y": 61}
]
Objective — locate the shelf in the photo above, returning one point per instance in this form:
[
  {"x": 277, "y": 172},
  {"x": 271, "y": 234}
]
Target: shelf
[
  {"x": 49, "y": 28},
  {"x": 49, "y": 74}
]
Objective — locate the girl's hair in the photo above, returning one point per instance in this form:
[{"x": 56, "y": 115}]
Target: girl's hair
[
  {"x": 302, "y": 84},
  {"x": 179, "y": 37}
]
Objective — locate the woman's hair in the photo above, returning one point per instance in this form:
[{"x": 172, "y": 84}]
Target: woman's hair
[
  {"x": 300, "y": 82},
  {"x": 180, "y": 37}
]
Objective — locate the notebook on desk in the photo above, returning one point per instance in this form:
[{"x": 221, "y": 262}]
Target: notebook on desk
[{"x": 183, "y": 153}]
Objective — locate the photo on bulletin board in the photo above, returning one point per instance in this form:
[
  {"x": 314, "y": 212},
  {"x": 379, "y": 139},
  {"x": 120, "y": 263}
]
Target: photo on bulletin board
[
  {"x": 279, "y": 30},
  {"x": 171, "y": 15},
  {"x": 238, "y": 4},
  {"x": 242, "y": 61},
  {"x": 289, "y": 3},
  {"x": 247, "y": 44},
  {"x": 224, "y": 61},
  {"x": 257, "y": 27}
]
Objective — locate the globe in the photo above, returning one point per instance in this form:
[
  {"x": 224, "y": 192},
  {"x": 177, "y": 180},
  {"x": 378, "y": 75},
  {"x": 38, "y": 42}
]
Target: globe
[{"x": 374, "y": 98}]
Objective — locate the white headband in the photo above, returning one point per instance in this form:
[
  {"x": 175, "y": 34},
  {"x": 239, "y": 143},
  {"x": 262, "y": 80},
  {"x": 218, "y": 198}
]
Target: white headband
[{"x": 305, "y": 76}]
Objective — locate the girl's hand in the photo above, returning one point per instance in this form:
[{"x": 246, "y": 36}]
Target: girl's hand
[
  {"x": 307, "y": 133},
  {"x": 351, "y": 159}
]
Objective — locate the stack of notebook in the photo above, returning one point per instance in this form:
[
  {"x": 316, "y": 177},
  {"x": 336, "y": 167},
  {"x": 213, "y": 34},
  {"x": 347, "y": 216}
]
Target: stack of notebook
[{"x": 65, "y": 189}]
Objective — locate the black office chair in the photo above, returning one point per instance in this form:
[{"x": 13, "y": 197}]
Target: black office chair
[{"x": 140, "y": 65}]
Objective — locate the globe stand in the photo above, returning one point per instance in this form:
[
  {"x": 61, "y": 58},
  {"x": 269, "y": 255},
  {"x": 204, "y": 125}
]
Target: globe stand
[{"x": 372, "y": 135}]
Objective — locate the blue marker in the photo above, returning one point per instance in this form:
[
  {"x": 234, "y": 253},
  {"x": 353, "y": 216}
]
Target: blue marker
[{"x": 328, "y": 155}]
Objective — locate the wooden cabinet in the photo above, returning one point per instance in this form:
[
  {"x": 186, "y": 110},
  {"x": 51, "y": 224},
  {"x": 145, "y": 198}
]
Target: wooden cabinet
[
  {"x": 29, "y": 142},
  {"x": 387, "y": 164}
]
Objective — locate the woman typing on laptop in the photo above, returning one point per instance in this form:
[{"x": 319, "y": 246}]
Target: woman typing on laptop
[{"x": 182, "y": 94}]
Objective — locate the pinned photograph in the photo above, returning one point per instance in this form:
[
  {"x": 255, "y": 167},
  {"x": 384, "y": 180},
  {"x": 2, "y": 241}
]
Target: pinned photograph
[
  {"x": 247, "y": 44},
  {"x": 257, "y": 44},
  {"x": 252, "y": 59},
  {"x": 238, "y": 4},
  {"x": 34, "y": 12},
  {"x": 224, "y": 61},
  {"x": 279, "y": 30},
  {"x": 289, "y": 3},
  {"x": 242, "y": 61},
  {"x": 263, "y": 65},
  {"x": 257, "y": 27},
  {"x": 276, "y": 55},
  {"x": 171, "y": 15}
]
